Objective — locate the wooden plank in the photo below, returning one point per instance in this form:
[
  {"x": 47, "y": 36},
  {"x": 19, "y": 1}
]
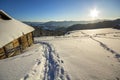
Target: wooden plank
[{"x": 11, "y": 54}]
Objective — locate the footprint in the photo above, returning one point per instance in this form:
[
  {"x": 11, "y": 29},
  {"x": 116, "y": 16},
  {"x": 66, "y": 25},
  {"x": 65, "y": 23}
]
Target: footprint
[{"x": 27, "y": 76}]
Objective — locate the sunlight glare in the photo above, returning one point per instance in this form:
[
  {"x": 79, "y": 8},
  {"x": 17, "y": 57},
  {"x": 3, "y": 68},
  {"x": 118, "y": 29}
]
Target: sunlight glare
[{"x": 94, "y": 13}]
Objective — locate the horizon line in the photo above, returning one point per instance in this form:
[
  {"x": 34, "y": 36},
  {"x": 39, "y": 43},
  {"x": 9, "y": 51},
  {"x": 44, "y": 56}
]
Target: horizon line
[{"x": 66, "y": 20}]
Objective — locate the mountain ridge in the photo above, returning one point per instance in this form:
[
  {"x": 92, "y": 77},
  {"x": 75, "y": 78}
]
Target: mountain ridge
[{"x": 52, "y": 25}]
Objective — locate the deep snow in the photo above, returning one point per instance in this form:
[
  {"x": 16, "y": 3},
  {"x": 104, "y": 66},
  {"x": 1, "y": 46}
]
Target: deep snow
[
  {"x": 78, "y": 55},
  {"x": 87, "y": 55}
]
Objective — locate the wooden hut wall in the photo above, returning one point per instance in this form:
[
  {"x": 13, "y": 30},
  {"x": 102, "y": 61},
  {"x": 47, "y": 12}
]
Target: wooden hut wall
[{"x": 16, "y": 46}]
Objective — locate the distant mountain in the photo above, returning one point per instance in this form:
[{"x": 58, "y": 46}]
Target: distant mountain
[
  {"x": 57, "y": 31},
  {"x": 68, "y": 23},
  {"x": 52, "y": 25},
  {"x": 33, "y": 23},
  {"x": 63, "y": 23},
  {"x": 103, "y": 24}
]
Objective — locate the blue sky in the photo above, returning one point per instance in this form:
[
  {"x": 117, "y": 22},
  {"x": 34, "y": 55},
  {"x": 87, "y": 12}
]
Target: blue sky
[{"x": 60, "y": 10}]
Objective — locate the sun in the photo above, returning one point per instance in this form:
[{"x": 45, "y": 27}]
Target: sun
[{"x": 94, "y": 13}]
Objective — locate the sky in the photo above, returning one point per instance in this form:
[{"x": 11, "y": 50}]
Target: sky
[{"x": 60, "y": 10}]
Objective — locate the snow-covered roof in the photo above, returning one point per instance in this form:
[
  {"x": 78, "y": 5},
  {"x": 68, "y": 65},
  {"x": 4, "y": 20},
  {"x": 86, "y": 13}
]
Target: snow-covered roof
[{"x": 11, "y": 29}]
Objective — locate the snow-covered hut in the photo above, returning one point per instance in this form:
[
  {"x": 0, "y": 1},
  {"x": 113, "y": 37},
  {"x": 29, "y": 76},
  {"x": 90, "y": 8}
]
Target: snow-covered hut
[{"x": 15, "y": 36}]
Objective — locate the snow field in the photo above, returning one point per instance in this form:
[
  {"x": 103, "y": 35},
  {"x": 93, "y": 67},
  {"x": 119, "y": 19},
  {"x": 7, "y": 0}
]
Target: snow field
[{"x": 77, "y": 55}]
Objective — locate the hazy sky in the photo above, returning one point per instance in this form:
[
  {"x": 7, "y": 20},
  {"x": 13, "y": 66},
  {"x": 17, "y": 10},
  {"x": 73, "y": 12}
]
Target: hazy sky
[{"x": 58, "y": 10}]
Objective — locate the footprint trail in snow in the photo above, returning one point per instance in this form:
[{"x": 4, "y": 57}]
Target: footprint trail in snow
[{"x": 48, "y": 67}]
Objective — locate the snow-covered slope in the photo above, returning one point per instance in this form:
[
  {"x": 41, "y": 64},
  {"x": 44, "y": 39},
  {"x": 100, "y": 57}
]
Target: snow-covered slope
[
  {"x": 78, "y": 55},
  {"x": 88, "y": 55},
  {"x": 16, "y": 67}
]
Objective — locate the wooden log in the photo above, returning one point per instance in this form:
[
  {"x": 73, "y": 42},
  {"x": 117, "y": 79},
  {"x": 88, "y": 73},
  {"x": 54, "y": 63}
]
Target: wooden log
[
  {"x": 30, "y": 40},
  {"x": 9, "y": 48},
  {"x": 15, "y": 43},
  {"x": 11, "y": 54},
  {"x": 2, "y": 53},
  {"x": 1, "y": 50},
  {"x": 17, "y": 52},
  {"x": 24, "y": 42},
  {"x": 2, "y": 56}
]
